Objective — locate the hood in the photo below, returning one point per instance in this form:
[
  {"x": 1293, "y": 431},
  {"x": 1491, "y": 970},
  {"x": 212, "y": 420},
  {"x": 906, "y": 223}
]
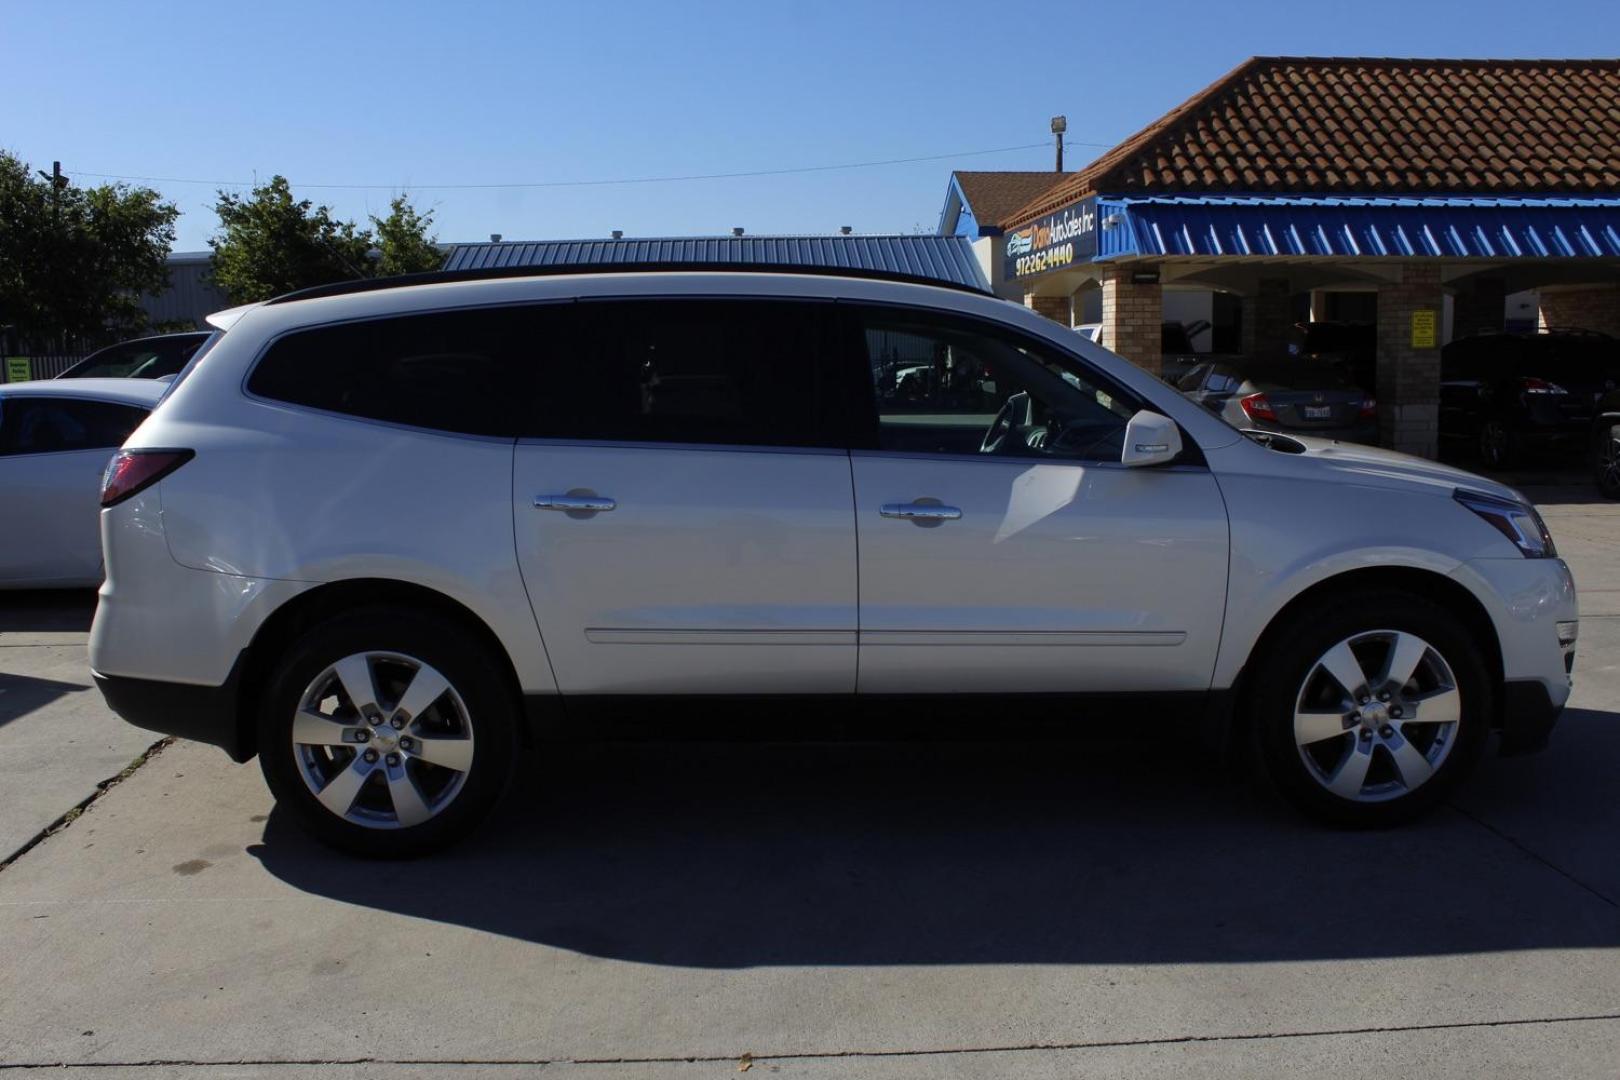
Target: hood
[{"x": 1368, "y": 465}]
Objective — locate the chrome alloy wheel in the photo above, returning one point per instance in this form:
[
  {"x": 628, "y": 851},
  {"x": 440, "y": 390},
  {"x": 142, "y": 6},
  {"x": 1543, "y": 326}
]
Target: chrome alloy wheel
[
  {"x": 1377, "y": 715},
  {"x": 1608, "y": 464},
  {"x": 382, "y": 740}
]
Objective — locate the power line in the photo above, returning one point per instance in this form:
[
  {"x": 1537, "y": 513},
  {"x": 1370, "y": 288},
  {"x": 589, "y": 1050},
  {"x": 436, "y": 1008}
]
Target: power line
[{"x": 590, "y": 183}]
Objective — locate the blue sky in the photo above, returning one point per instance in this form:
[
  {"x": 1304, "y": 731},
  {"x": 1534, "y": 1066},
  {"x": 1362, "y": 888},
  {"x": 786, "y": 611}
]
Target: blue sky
[{"x": 407, "y": 96}]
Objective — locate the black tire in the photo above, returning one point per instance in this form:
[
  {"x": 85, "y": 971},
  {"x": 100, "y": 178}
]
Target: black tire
[
  {"x": 1497, "y": 447},
  {"x": 1606, "y": 460},
  {"x": 1291, "y": 651},
  {"x": 483, "y": 690}
]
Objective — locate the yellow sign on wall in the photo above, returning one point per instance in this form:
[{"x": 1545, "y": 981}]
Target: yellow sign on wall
[
  {"x": 19, "y": 369},
  {"x": 1425, "y": 329}
]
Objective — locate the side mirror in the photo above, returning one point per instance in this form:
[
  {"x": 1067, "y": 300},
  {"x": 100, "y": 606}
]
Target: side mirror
[{"x": 1150, "y": 439}]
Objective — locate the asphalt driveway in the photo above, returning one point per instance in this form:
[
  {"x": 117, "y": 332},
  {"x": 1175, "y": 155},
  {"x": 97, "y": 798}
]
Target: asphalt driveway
[{"x": 1091, "y": 908}]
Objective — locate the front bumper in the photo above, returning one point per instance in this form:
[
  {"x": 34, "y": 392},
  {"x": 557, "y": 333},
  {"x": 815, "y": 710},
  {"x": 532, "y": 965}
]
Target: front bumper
[{"x": 208, "y": 714}]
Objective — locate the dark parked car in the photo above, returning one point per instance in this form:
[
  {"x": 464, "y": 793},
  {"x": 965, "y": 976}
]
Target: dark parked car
[
  {"x": 1295, "y": 397},
  {"x": 1352, "y": 347},
  {"x": 1606, "y": 445},
  {"x": 1514, "y": 396},
  {"x": 143, "y": 358}
]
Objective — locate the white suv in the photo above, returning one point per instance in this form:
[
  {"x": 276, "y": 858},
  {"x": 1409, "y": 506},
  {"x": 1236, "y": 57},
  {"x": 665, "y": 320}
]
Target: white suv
[{"x": 385, "y": 536}]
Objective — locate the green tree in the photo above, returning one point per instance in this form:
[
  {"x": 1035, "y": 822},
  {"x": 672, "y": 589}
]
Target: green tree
[
  {"x": 74, "y": 261},
  {"x": 403, "y": 243},
  {"x": 269, "y": 244}
]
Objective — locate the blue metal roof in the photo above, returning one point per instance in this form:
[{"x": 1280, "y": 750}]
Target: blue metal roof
[
  {"x": 942, "y": 258},
  {"x": 1360, "y": 227}
]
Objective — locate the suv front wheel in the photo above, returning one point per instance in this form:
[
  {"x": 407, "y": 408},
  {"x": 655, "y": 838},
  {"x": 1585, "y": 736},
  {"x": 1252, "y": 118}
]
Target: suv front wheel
[
  {"x": 1369, "y": 710},
  {"x": 386, "y": 733}
]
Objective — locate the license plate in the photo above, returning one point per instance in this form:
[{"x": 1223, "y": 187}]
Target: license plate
[{"x": 1317, "y": 412}]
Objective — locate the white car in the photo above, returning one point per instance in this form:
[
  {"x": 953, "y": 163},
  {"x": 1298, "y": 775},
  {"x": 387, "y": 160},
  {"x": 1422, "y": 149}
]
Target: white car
[
  {"x": 386, "y": 534},
  {"x": 55, "y": 440}
]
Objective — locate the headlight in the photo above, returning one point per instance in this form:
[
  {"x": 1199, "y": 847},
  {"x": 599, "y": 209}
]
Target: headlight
[{"x": 1517, "y": 521}]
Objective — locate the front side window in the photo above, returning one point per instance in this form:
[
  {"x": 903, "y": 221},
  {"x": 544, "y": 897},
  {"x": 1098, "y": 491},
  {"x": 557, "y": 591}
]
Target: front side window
[
  {"x": 48, "y": 425},
  {"x": 955, "y": 387},
  {"x": 453, "y": 371},
  {"x": 735, "y": 372}
]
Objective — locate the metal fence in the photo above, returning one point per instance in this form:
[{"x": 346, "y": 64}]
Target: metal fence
[{"x": 22, "y": 368}]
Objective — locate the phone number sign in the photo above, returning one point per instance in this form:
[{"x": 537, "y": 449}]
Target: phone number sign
[{"x": 1053, "y": 242}]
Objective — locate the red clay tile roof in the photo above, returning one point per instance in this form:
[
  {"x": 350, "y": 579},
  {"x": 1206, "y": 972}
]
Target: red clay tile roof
[
  {"x": 994, "y": 196},
  {"x": 1386, "y": 126}
]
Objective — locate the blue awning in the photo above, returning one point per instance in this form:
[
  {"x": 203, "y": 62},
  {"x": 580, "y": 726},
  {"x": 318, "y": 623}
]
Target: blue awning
[
  {"x": 1360, "y": 227},
  {"x": 942, "y": 258}
]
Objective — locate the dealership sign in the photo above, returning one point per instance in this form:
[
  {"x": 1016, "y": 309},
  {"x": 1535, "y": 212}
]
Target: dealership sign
[{"x": 1054, "y": 241}]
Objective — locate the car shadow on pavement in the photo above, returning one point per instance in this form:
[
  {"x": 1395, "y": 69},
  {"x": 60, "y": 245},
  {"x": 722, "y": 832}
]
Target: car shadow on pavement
[
  {"x": 725, "y": 855},
  {"x": 22, "y": 694},
  {"x": 46, "y": 610}
]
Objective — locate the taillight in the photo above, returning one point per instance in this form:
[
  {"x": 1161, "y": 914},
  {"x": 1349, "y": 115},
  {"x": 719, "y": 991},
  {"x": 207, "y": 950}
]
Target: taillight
[
  {"x": 1533, "y": 385},
  {"x": 1369, "y": 409},
  {"x": 131, "y": 472},
  {"x": 1256, "y": 407}
]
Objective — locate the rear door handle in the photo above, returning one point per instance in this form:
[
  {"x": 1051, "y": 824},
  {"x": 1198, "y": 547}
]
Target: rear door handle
[
  {"x": 586, "y": 504},
  {"x": 920, "y": 511}
]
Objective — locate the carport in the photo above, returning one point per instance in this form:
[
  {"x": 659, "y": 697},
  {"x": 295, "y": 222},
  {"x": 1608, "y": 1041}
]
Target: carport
[{"x": 1418, "y": 195}]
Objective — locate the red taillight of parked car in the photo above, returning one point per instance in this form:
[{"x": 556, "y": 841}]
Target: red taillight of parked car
[
  {"x": 131, "y": 472},
  {"x": 1256, "y": 407},
  {"x": 1369, "y": 409}
]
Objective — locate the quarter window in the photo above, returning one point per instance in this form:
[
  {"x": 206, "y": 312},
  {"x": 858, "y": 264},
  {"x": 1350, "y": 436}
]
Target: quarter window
[
  {"x": 953, "y": 387},
  {"x": 455, "y": 371},
  {"x": 44, "y": 425}
]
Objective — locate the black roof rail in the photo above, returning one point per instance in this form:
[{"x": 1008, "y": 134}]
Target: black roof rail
[{"x": 440, "y": 277}]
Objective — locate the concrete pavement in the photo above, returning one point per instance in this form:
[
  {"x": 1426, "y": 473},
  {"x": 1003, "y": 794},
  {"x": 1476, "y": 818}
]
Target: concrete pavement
[
  {"x": 896, "y": 910},
  {"x": 57, "y": 741}
]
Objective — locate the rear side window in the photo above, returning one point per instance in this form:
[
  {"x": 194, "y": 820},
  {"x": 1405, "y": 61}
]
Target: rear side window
[
  {"x": 455, "y": 371},
  {"x": 705, "y": 371},
  {"x": 48, "y": 425}
]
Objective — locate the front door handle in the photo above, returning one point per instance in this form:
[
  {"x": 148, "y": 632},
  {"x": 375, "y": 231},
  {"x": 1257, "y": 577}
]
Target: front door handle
[
  {"x": 920, "y": 512},
  {"x": 579, "y": 504}
]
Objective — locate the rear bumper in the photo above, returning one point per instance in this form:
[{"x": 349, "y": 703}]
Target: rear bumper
[
  {"x": 207, "y": 714},
  {"x": 1528, "y": 716}
]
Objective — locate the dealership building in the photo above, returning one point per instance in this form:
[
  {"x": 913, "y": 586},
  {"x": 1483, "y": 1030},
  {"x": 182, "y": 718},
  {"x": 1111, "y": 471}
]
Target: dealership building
[{"x": 1429, "y": 198}]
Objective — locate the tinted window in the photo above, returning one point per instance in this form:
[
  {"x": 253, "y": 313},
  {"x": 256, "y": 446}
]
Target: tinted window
[
  {"x": 1297, "y": 375},
  {"x": 459, "y": 371},
  {"x": 138, "y": 359},
  {"x": 733, "y": 372},
  {"x": 952, "y": 386},
  {"x": 41, "y": 425}
]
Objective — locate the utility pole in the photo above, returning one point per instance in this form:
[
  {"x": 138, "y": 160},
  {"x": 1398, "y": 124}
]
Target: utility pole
[
  {"x": 1060, "y": 124},
  {"x": 58, "y": 182}
]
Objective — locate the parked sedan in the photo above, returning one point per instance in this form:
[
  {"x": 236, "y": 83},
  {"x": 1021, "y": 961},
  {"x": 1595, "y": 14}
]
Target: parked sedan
[
  {"x": 55, "y": 440},
  {"x": 1294, "y": 397},
  {"x": 143, "y": 358},
  {"x": 1513, "y": 396}
]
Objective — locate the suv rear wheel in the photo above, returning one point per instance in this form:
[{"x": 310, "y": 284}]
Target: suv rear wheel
[
  {"x": 387, "y": 733},
  {"x": 1369, "y": 711}
]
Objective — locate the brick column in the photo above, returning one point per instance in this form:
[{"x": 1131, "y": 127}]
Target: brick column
[
  {"x": 1480, "y": 307},
  {"x": 1408, "y": 376},
  {"x": 1268, "y": 320},
  {"x": 1587, "y": 307},
  {"x": 1133, "y": 318},
  {"x": 1055, "y": 308}
]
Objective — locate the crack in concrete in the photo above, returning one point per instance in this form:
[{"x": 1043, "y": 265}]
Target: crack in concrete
[
  {"x": 74, "y": 812},
  {"x": 1105, "y": 1044}
]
